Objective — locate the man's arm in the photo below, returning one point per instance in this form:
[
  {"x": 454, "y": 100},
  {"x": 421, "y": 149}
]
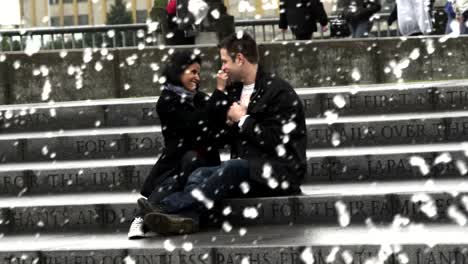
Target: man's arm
[
  {"x": 319, "y": 12},
  {"x": 269, "y": 131},
  {"x": 393, "y": 16}
]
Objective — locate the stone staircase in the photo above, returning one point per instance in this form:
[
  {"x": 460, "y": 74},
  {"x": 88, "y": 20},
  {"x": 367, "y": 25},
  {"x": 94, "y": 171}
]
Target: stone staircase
[{"x": 385, "y": 183}]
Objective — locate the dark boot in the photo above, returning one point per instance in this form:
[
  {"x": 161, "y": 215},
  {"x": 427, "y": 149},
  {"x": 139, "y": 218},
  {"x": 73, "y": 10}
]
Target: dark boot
[
  {"x": 148, "y": 207},
  {"x": 169, "y": 224}
]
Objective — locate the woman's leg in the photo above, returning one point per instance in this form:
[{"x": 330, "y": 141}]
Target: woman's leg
[{"x": 189, "y": 162}]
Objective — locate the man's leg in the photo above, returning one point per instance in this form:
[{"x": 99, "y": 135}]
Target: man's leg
[
  {"x": 464, "y": 26},
  {"x": 352, "y": 30},
  {"x": 363, "y": 29},
  {"x": 306, "y": 36},
  {"x": 448, "y": 29},
  {"x": 171, "y": 184},
  {"x": 214, "y": 183},
  {"x": 211, "y": 184}
]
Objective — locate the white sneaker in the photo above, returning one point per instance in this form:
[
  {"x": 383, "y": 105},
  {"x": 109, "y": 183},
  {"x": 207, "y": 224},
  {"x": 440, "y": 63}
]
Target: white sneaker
[{"x": 136, "y": 229}]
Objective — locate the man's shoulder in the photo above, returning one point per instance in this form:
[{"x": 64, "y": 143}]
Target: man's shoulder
[{"x": 273, "y": 82}]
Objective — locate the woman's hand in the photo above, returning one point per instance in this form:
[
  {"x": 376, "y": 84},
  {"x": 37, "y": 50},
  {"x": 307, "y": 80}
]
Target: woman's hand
[{"x": 221, "y": 80}]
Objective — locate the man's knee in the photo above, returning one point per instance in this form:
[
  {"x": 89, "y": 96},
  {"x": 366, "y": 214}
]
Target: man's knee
[
  {"x": 197, "y": 176},
  {"x": 237, "y": 165}
]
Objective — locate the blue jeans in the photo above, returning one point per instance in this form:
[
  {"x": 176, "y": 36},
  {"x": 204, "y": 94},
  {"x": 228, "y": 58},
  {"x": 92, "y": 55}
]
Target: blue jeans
[
  {"x": 361, "y": 30},
  {"x": 448, "y": 29},
  {"x": 464, "y": 28},
  {"x": 215, "y": 183}
]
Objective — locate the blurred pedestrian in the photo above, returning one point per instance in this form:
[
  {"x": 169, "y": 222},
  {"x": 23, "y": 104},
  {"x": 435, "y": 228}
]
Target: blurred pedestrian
[
  {"x": 461, "y": 11},
  {"x": 414, "y": 17},
  {"x": 180, "y": 23},
  {"x": 302, "y": 17},
  {"x": 358, "y": 14},
  {"x": 451, "y": 15}
]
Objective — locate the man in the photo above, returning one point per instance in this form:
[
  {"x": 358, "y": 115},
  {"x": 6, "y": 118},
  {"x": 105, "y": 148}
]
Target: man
[
  {"x": 302, "y": 17},
  {"x": 269, "y": 141}
]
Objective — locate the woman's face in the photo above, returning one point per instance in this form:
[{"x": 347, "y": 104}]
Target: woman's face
[{"x": 191, "y": 77}]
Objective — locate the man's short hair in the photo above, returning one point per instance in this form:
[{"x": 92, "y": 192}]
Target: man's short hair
[{"x": 240, "y": 43}]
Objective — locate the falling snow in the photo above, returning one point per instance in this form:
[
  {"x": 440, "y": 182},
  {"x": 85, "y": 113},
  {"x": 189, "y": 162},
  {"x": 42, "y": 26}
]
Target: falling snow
[
  {"x": 245, "y": 187},
  {"x": 344, "y": 217},
  {"x": 33, "y": 45},
  {"x": 339, "y": 101},
  {"x": 168, "y": 245},
  {"x": 199, "y": 196},
  {"x": 332, "y": 255},
  {"x": 336, "y": 139},
  {"x": 456, "y": 215},
  {"x": 417, "y": 161},
  {"x": 227, "y": 227},
  {"x": 428, "y": 205},
  {"x": 307, "y": 256},
  {"x": 250, "y": 212},
  {"x": 356, "y": 75}
]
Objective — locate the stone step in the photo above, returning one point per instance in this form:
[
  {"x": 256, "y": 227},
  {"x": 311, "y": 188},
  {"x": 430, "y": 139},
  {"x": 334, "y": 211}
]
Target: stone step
[
  {"x": 138, "y": 141},
  {"x": 357, "y": 100},
  {"x": 79, "y": 114},
  {"x": 99, "y": 143},
  {"x": 435, "y": 201},
  {"x": 415, "y": 244},
  {"x": 380, "y": 163},
  {"x": 385, "y": 98},
  {"x": 389, "y": 129}
]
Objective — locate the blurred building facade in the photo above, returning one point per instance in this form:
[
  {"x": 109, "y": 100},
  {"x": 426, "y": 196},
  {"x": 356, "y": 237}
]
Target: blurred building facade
[{"x": 45, "y": 13}]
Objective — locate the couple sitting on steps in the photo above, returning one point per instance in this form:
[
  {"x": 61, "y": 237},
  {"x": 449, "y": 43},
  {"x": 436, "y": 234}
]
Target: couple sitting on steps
[{"x": 257, "y": 114}]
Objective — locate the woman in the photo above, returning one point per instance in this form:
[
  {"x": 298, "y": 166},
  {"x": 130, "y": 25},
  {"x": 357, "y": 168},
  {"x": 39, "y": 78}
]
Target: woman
[{"x": 188, "y": 135}]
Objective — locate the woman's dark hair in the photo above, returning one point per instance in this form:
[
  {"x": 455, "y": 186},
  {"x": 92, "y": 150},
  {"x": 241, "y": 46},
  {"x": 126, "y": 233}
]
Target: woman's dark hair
[{"x": 176, "y": 65}]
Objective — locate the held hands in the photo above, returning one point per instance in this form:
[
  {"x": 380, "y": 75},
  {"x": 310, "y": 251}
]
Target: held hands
[
  {"x": 221, "y": 80},
  {"x": 236, "y": 111}
]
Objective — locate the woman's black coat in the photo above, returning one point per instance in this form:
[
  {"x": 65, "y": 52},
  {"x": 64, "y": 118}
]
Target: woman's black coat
[{"x": 185, "y": 127}]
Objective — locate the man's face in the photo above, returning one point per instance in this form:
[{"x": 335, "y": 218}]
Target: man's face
[{"x": 230, "y": 67}]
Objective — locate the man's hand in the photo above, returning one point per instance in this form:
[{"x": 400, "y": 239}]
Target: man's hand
[
  {"x": 325, "y": 28},
  {"x": 221, "y": 80},
  {"x": 236, "y": 111}
]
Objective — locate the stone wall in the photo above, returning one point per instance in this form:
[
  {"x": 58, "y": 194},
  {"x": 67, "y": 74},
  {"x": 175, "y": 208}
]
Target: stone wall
[{"x": 129, "y": 72}]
